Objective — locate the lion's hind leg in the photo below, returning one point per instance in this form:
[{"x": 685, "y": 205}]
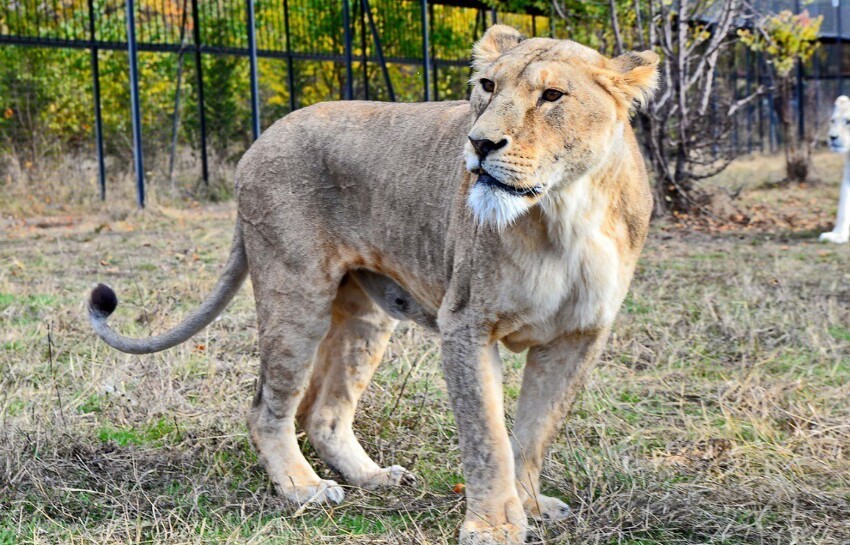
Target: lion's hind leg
[
  {"x": 346, "y": 360},
  {"x": 293, "y": 319}
]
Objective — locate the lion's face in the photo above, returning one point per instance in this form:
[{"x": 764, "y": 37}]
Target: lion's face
[
  {"x": 546, "y": 113},
  {"x": 839, "y": 126}
]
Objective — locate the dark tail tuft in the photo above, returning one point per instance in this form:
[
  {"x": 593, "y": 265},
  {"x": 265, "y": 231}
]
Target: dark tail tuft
[{"x": 103, "y": 300}]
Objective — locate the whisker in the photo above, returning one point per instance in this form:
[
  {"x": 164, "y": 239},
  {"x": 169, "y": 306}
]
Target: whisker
[{"x": 505, "y": 168}]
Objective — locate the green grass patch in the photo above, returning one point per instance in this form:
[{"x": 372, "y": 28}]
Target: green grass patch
[
  {"x": 840, "y": 333},
  {"x": 93, "y": 404},
  {"x": 156, "y": 434},
  {"x": 14, "y": 346},
  {"x": 6, "y": 299},
  {"x": 7, "y": 535},
  {"x": 15, "y": 407}
]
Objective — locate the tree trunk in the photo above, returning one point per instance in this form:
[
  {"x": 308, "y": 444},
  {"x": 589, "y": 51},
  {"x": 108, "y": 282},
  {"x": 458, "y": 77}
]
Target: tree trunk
[{"x": 797, "y": 152}]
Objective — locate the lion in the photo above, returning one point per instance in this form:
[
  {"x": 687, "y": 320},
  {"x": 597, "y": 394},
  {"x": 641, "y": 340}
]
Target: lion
[
  {"x": 839, "y": 142},
  {"x": 355, "y": 215}
]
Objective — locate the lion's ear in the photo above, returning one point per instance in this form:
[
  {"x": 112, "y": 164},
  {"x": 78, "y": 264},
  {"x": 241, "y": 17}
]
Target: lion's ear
[
  {"x": 497, "y": 40},
  {"x": 842, "y": 101},
  {"x": 633, "y": 76}
]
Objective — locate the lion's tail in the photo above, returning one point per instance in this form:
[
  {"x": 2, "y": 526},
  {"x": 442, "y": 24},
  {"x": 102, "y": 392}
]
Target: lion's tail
[{"x": 103, "y": 302}]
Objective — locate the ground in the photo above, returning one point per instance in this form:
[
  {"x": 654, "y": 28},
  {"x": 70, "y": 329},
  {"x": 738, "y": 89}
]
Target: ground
[{"x": 720, "y": 412}]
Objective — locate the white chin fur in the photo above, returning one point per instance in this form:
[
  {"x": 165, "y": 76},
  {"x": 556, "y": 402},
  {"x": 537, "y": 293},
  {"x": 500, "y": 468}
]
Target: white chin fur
[
  {"x": 471, "y": 161},
  {"x": 495, "y": 207}
]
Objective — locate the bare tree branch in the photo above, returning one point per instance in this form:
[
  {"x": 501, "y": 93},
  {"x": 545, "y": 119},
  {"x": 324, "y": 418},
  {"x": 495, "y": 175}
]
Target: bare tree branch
[
  {"x": 618, "y": 39},
  {"x": 761, "y": 90}
]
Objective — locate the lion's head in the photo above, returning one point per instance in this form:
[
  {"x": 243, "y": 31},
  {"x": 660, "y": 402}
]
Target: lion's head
[
  {"x": 839, "y": 126},
  {"x": 547, "y": 112}
]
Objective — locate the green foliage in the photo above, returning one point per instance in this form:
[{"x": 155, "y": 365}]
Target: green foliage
[
  {"x": 46, "y": 95},
  {"x": 786, "y": 38}
]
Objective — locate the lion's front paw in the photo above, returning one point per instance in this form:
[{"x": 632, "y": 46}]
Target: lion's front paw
[
  {"x": 480, "y": 533},
  {"x": 320, "y": 492},
  {"x": 546, "y": 509},
  {"x": 390, "y": 477},
  {"x": 832, "y": 236}
]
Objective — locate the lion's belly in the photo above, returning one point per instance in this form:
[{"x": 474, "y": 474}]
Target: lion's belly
[{"x": 371, "y": 185}]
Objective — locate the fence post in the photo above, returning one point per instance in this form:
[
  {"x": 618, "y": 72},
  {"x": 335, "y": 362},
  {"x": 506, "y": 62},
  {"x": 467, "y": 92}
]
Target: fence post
[
  {"x": 434, "y": 65},
  {"x": 252, "y": 58},
  {"x": 348, "y": 92},
  {"x": 98, "y": 119},
  {"x": 364, "y": 59},
  {"x": 376, "y": 39},
  {"x": 426, "y": 50},
  {"x": 290, "y": 76},
  {"x": 759, "y": 82},
  {"x": 175, "y": 118},
  {"x": 138, "y": 159},
  {"x": 199, "y": 72},
  {"x": 749, "y": 67},
  {"x": 552, "y": 20},
  {"x": 839, "y": 42}
]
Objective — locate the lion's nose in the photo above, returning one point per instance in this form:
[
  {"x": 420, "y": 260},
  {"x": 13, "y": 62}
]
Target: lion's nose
[
  {"x": 484, "y": 146},
  {"x": 832, "y": 138}
]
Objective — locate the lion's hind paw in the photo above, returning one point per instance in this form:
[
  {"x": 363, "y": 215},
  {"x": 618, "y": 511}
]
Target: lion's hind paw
[
  {"x": 389, "y": 477},
  {"x": 322, "y": 492}
]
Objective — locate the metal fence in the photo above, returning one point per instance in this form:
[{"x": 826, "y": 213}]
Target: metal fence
[
  {"x": 376, "y": 49},
  {"x": 363, "y": 35}
]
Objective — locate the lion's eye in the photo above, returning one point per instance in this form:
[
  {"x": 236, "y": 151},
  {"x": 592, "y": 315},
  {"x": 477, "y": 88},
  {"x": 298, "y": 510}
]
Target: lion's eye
[
  {"x": 551, "y": 95},
  {"x": 488, "y": 85},
  {"x": 847, "y": 121}
]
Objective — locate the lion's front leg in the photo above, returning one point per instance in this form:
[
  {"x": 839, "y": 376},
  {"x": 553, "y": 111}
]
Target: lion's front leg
[
  {"x": 494, "y": 512},
  {"x": 552, "y": 378},
  {"x": 841, "y": 232}
]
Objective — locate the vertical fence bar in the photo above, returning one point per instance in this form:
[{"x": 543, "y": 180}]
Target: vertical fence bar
[
  {"x": 252, "y": 58},
  {"x": 494, "y": 16},
  {"x": 138, "y": 159},
  {"x": 364, "y": 59},
  {"x": 552, "y": 20},
  {"x": 801, "y": 97},
  {"x": 98, "y": 118},
  {"x": 734, "y": 78},
  {"x": 199, "y": 72},
  {"x": 379, "y": 51},
  {"x": 760, "y": 81},
  {"x": 426, "y": 49},
  {"x": 434, "y": 65},
  {"x": 175, "y": 118},
  {"x": 801, "y": 119},
  {"x": 348, "y": 92},
  {"x": 290, "y": 75},
  {"x": 749, "y": 68},
  {"x": 839, "y": 42}
]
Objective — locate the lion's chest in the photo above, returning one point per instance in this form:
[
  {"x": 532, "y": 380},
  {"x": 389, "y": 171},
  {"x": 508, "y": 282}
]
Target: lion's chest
[{"x": 577, "y": 284}]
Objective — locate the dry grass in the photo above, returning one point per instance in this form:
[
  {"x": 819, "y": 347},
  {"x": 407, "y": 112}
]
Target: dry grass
[
  {"x": 69, "y": 183},
  {"x": 719, "y": 414}
]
